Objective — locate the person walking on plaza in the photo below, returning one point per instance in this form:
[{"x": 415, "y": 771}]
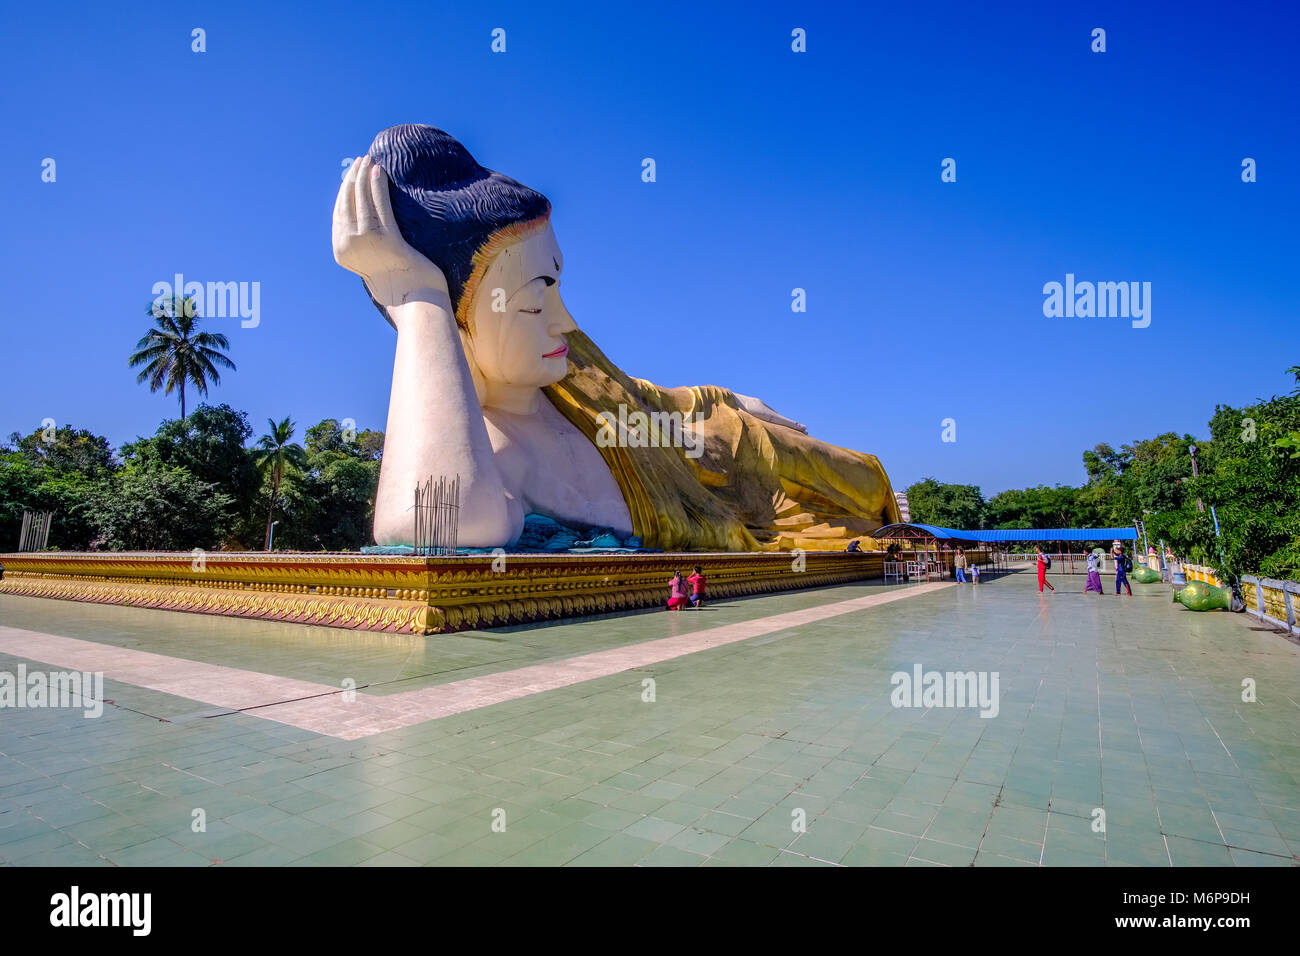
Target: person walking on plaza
[
  {"x": 975, "y": 574},
  {"x": 959, "y": 563},
  {"x": 697, "y": 587},
  {"x": 1044, "y": 562},
  {"x": 676, "y": 592},
  {"x": 1094, "y": 576},
  {"x": 1122, "y": 566}
]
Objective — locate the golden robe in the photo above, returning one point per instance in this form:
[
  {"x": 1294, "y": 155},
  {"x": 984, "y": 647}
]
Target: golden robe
[{"x": 757, "y": 486}]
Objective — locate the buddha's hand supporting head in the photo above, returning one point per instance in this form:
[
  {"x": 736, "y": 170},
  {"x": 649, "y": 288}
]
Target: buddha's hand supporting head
[
  {"x": 432, "y": 206},
  {"x": 368, "y": 242}
]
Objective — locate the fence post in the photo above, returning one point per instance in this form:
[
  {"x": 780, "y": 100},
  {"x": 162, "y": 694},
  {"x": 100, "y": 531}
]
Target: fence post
[{"x": 1259, "y": 597}]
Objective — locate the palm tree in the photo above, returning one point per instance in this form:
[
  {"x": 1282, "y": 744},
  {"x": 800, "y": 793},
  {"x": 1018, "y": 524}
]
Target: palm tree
[
  {"x": 275, "y": 452},
  {"x": 176, "y": 352}
]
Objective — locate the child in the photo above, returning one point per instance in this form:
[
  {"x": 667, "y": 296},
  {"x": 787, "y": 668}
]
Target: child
[
  {"x": 975, "y": 574},
  {"x": 676, "y": 593},
  {"x": 697, "y": 587}
]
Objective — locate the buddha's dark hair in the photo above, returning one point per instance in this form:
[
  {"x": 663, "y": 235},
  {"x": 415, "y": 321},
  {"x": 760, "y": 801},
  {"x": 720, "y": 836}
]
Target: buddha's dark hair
[{"x": 448, "y": 207}]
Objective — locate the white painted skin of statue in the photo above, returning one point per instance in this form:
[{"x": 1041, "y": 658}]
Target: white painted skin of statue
[{"x": 473, "y": 405}]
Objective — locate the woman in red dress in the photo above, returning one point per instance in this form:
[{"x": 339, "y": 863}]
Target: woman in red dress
[
  {"x": 676, "y": 592},
  {"x": 1042, "y": 571}
]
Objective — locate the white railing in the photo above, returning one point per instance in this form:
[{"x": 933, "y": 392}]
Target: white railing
[
  {"x": 1275, "y": 601},
  {"x": 35, "y": 534},
  {"x": 938, "y": 565}
]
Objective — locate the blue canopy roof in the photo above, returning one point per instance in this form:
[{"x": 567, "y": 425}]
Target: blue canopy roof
[{"x": 1005, "y": 534}]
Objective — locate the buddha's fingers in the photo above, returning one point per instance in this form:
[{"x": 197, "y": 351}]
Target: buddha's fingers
[
  {"x": 367, "y": 216},
  {"x": 379, "y": 198},
  {"x": 345, "y": 207}
]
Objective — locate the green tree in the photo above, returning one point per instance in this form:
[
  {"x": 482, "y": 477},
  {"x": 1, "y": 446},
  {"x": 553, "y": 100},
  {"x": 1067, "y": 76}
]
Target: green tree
[
  {"x": 948, "y": 506},
  {"x": 65, "y": 450},
  {"x": 329, "y": 437},
  {"x": 1040, "y": 507},
  {"x": 210, "y": 445},
  {"x": 18, "y": 483},
  {"x": 276, "y": 451},
  {"x": 1103, "y": 462},
  {"x": 1253, "y": 482},
  {"x": 55, "y": 470},
  {"x": 1289, "y": 442},
  {"x": 159, "y": 508},
  {"x": 329, "y": 504},
  {"x": 175, "y": 352}
]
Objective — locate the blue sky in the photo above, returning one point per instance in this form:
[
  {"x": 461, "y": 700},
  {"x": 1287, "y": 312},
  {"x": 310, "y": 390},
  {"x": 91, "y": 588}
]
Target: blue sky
[{"x": 776, "y": 170}]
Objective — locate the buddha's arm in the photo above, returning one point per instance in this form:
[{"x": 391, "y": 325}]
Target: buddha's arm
[
  {"x": 690, "y": 397},
  {"x": 435, "y": 428},
  {"x": 435, "y": 425}
]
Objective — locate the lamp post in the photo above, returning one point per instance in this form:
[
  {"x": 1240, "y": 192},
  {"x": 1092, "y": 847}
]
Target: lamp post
[{"x": 270, "y": 540}]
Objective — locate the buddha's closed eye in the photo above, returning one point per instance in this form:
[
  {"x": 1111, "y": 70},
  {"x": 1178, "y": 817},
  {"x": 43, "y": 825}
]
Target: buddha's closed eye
[{"x": 535, "y": 290}]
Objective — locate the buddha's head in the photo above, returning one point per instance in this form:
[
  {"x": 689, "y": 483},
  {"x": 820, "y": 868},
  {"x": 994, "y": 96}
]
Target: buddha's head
[{"x": 492, "y": 239}]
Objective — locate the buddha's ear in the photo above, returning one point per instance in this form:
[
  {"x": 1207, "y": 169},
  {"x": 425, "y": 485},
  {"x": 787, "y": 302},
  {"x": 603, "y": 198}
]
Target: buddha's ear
[{"x": 475, "y": 374}]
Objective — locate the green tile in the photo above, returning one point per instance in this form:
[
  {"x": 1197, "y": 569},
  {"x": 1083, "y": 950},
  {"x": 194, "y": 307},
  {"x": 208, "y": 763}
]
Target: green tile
[
  {"x": 873, "y": 856},
  {"x": 740, "y": 737},
  {"x": 1195, "y": 853},
  {"x": 345, "y": 853},
  {"x": 699, "y": 841},
  {"x": 828, "y": 839},
  {"x": 653, "y": 829},
  {"x": 669, "y": 855},
  {"x": 743, "y": 853},
  {"x": 620, "y": 849},
  {"x": 944, "y": 853},
  {"x": 788, "y": 858},
  {"x": 888, "y": 841},
  {"x": 997, "y": 845}
]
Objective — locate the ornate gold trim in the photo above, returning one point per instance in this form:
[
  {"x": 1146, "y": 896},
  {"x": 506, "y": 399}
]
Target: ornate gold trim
[{"x": 413, "y": 595}]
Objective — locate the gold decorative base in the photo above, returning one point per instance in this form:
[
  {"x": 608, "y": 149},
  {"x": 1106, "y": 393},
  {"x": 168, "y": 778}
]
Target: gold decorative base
[{"x": 412, "y": 595}]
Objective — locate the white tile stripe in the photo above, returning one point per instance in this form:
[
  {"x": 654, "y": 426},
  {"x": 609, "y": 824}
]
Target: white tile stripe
[
  {"x": 211, "y": 683},
  {"x": 320, "y": 707}
]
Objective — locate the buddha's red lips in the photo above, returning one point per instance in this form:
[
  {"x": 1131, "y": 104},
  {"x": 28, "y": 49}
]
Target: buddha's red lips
[{"x": 562, "y": 350}]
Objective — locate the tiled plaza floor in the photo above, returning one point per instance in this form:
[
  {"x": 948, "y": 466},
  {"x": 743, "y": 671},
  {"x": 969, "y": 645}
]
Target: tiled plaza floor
[{"x": 1128, "y": 706}]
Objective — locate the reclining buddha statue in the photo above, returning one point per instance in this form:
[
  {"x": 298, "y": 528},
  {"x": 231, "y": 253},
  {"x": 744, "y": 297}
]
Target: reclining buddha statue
[{"x": 494, "y": 382}]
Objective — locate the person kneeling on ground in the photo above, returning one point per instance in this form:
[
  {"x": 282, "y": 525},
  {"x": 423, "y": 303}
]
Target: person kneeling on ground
[
  {"x": 676, "y": 592},
  {"x": 697, "y": 587},
  {"x": 854, "y": 547}
]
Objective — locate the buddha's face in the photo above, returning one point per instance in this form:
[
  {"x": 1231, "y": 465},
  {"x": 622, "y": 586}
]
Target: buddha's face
[{"x": 519, "y": 319}]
